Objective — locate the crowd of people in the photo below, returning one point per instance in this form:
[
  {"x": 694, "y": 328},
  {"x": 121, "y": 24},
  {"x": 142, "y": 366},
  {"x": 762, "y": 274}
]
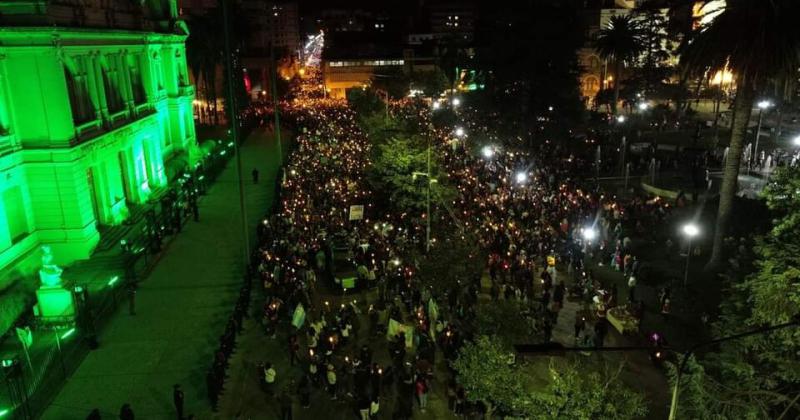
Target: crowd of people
[
  {"x": 215, "y": 377},
  {"x": 528, "y": 210}
]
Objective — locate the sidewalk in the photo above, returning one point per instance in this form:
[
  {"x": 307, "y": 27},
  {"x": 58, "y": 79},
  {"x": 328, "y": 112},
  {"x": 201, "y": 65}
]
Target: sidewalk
[{"x": 181, "y": 307}]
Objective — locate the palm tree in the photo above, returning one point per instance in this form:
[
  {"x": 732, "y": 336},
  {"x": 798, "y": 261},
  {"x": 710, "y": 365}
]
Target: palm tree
[
  {"x": 758, "y": 40},
  {"x": 620, "y": 42}
]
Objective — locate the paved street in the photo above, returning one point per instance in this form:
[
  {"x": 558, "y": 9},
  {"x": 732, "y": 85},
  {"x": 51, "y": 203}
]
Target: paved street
[{"x": 181, "y": 308}]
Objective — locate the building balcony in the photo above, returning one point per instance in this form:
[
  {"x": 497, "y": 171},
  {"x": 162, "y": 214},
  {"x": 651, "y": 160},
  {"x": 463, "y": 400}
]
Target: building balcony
[
  {"x": 186, "y": 90},
  {"x": 93, "y": 129},
  {"x": 87, "y": 131}
]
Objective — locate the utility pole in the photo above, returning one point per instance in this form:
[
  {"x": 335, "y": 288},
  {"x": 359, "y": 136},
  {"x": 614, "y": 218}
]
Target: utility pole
[
  {"x": 428, "y": 202},
  {"x": 234, "y": 124},
  {"x": 431, "y": 180}
]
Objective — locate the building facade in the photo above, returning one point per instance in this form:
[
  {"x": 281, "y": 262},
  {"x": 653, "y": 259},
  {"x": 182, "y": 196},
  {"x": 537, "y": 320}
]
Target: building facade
[{"x": 91, "y": 110}]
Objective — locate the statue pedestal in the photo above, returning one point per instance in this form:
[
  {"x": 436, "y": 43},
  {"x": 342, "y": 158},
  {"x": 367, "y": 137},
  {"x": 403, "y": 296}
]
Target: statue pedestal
[{"x": 55, "y": 304}]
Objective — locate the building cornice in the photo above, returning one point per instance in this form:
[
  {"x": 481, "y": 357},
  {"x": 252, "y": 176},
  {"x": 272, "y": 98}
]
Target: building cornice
[{"x": 51, "y": 36}]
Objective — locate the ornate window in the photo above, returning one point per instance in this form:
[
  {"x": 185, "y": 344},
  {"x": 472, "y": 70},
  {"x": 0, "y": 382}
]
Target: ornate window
[
  {"x": 135, "y": 73},
  {"x": 78, "y": 91},
  {"x": 112, "y": 84}
]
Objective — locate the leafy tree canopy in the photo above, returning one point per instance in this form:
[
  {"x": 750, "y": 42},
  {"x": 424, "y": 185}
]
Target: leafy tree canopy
[
  {"x": 756, "y": 376},
  {"x": 394, "y": 166},
  {"x": 365, "y": 102}
]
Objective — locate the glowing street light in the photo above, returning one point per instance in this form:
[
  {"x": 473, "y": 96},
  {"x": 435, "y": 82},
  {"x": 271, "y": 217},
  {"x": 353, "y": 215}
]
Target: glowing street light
[
  {"x": 762, "y": 105},
  {"x": 589, "y": 234},
  {"x": 620, "y": 119},
  {"x": 796, "y": 141},
  {"x": 690, "y": 230},
  {"x": 460, "y": 132},
  {"x": 521, "y": 177},
  {"x": 436, "y": 105},
  {"x": 456, "y": 102},
  {"x": 487, "y": 151},
  {"x": 643, "y": 106}
]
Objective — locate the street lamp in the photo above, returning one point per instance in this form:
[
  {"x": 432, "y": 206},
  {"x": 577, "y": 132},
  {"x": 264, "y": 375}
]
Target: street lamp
[
  {"x": 456, "y": 102},
  {"x": 643, "y": 106},
  {"x": 460, "y": 132},
  {"x": 521, "y": 177},
  {"x": 487, "y": 151},
  {"x": 589, "y": 234},
  {"x": 690, "y": 230},
  {"x": 431, "y": 181},
  {"x": 436, "y": 105},
  {"x": 620, "y": 119},
  {"x": 762, "y": 105}
]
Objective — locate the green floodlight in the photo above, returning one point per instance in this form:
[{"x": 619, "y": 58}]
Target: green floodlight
[
  {"x": 68, "y": 333},
  {"x": 113, "y": 280}
]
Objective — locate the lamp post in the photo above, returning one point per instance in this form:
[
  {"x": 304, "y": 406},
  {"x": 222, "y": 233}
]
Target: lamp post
[
  {"x": 690, "y": 230},
  {"x": 589, "y": 234},
  {"x": 762, "y": 105},
  {"x": 621, "y": 120},
  {"x": 234, "y": 122},
  {"x": 487, "y": 152},
  {"x": 521, "y": 178},
  {"x": 431, "y": 180}
]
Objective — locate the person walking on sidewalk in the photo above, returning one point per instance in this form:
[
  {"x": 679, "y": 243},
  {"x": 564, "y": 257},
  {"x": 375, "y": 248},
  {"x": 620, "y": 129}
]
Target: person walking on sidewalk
[
  {"x": 269, "y": 378},
  {"x": 422, "y": 392},
  {"x": 177, "y": 399},
  {"x": 331, "y": 378},
  {"x": 126, "y": 412},
  {"x": 132, "y": 298},
  {"x": 294, "y": 349},
  {"x": 286, "y": 405}
]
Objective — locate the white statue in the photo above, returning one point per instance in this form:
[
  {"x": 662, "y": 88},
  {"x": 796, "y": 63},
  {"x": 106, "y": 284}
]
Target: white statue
[{"x": 50, "y": 273}]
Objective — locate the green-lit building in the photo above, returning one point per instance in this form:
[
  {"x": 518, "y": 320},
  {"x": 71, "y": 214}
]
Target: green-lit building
[{"x": 95, "y": 100}]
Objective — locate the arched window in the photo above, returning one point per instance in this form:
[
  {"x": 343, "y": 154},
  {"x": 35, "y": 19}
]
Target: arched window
[{"x": 590, "y": 85}]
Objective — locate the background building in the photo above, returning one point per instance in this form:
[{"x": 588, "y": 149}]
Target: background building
[
  {"x": 353, "y": 59},
  {"x": 94, "y": 100}
]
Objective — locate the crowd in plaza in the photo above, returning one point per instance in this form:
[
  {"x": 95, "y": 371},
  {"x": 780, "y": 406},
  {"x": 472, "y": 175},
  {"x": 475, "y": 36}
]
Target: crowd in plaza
[{"x": 537, "y": 219}]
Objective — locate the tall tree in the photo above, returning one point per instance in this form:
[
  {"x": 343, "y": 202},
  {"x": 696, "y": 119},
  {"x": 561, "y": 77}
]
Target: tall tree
[
  {"x": 483, "y": 369},
  {"x": 654, "y": 63},
  {"x": 620, "y": 42},
  {"x": 757, "y": 40},
  {"x": 756, "y": 376}
]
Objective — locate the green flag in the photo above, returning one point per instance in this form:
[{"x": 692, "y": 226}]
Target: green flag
[
  {"x": 25, "y": 336},
  {"x": 299, "y": 317}
]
